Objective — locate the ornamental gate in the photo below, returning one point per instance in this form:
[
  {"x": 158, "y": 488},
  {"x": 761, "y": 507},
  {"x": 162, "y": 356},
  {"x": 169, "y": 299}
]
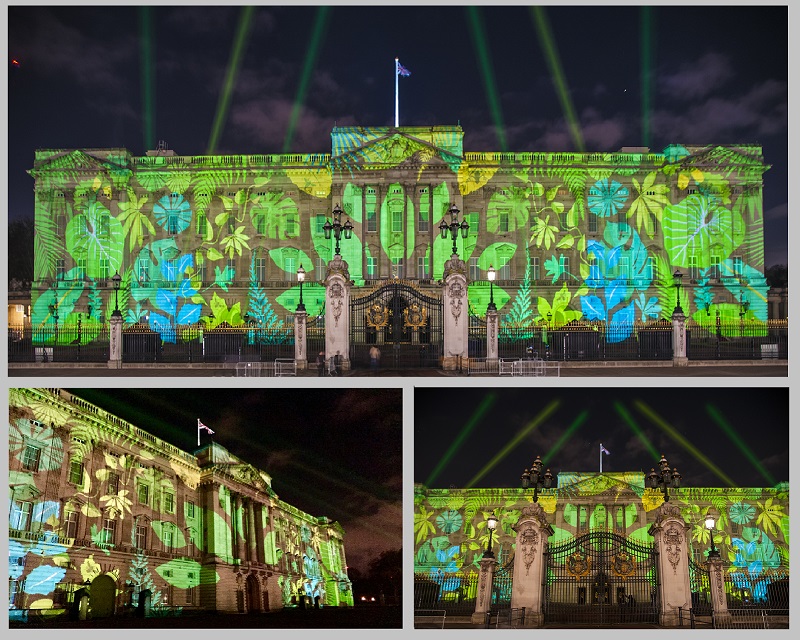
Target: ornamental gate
[
  {"x": 601, "y": 578},
  {"x": 404, "y": 323}
]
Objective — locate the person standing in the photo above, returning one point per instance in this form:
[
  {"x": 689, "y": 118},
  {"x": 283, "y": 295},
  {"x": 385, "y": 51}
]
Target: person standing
[
  {"x": 321, "y": 363},
  {"x": 337, "y": 364},
  {"x": 374, "y": 358}
]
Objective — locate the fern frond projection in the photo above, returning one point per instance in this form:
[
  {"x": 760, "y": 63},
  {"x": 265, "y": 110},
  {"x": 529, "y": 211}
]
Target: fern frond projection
[
  {"x": 521, "y": 311},
  {"x": 260, "y": 309},
  {"x": 46, "y": 246}
]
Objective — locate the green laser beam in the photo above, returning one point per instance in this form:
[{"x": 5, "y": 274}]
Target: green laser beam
[
  {"x": 320, "y": 23},
  {"x": 681, "y": 440},
  {"x": 146, "y": 55},
  {"x": 740, "y": 444},
  {"x": 628, "y": 418},
  {"x": 485, "y": 62},
  {"x": 576, "y": 424},
  {"x": 239, "y": 42},
  {"x": 533, "y": 424},
  {"x": 646, "y": 55},
  {"x": 484, "y": 406},
  {"x": 557, "y": 73}
]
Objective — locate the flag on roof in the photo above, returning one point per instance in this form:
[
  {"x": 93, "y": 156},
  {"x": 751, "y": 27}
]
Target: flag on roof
[
  {"x": 201, "y": 426},
  {"x": 604, "y": 450},
  {"x": 401, "y": 70}
]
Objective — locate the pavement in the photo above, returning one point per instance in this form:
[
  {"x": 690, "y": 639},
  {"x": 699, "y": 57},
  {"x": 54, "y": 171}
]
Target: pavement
[{"x": 714, "y": 369}]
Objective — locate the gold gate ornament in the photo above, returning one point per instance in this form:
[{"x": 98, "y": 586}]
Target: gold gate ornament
[
  {"x": 377, "y": 316},
  {"x": 579, "y": 565},
  {"x": 623, "y": 565},
  {"x": 415, "y": 316}
]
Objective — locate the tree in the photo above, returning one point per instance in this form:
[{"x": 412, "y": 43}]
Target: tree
[
  {"x": 20, "y": 250},
  {"x": 386, "y": 573},
  {"x": 777, "y": 276}
]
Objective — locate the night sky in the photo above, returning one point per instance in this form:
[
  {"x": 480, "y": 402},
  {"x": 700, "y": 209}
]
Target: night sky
[
  {"x": 330, "y": 452},
  {"x": 758, "y": 418},
  {"x": 719, "y": 75}
]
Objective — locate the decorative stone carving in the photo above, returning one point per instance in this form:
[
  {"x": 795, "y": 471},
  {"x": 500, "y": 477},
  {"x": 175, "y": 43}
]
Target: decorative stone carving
[
  {"x": 339, "y": 267},
  {"x": 673, "y": 540},
  {"x": 529, "y": 539},
  {"x": 337, "y": 300},
  {"x": 457, "y": 293},
  {"x": 455, "y": 265}
]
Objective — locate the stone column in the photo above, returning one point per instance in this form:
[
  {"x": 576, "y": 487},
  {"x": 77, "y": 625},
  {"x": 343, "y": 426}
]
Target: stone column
[
  {"x": 337, "y": 311},
  {"x": 533, "y": 530},
  {"x": 671, "y": 541},
  {"x": 679, "y": 358},
  {"x": 260, "y": 531},
  {"x": 492, "y": 326},
  {"x": 115, "y": 338},
  {"x": 251, "y": 532},
  {"x": 483, "y": 601},
  {"x": 300, "y": 346},
  {"x": 456, "y": 313},
  {"x": 716, "y": 577},
  {"x": 238, "y": 528}
]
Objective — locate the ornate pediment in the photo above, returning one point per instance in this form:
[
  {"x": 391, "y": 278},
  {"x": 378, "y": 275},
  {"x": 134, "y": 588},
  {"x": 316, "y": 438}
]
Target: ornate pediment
[
  {"x": 358, "y": 149},
  {"x": 620, "y": 486},
  {"x": 80, "y": 160}
]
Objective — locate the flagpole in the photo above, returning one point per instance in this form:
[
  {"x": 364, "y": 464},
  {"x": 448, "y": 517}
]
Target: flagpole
[
  {"x": 198, "y": 433},
  {"x": 601, "y": 457},
  {"x": 396, "y": 98}
]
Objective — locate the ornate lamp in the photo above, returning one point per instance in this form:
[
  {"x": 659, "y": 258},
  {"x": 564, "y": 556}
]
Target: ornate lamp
[
  {"x": 710, "y": 522},
  {"x": 491, "y": 274},
  {"x": 116, "y": 279},
  {"x": 677, "y": 277},
  {"x": 665, "y": 479},
  {"x": 453, "y": 227},
  {"x": 337, "y": 228},
  {"x": 536, "y": 479},
  {"x": 491, "y": 523},
  {"x": 301, "y": 276}
]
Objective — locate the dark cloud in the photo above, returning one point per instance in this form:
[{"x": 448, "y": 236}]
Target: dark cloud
[{"x": 696, "y": 79}]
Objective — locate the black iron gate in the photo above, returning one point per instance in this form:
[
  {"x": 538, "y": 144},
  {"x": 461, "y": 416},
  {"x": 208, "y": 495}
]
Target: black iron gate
[
  {"x": 404, "y": 323},
  {"x": 601, "y": 578}
]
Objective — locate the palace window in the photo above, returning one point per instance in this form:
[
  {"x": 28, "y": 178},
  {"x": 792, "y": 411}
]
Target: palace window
[
  {"x": 230, "y": 265},
  {"x": 319, "y": 224},
  {"x": 398, "y": 268},
  {"x": 144, "y": 493},
  {"x": 201, "y": 266},
  {"x": 290, "y": 266},
  {"x": 292, "y": 225},
  {"x": 623, "y": 269},
  {"x": 474, "y": 270},
  {"x": 424, "y": 210},
  {"x": 104, "y": 225},
  {"x": 190, "y": 509},
  {"x": 372, "y": 267},
  {"x": 20, "y": 518},
  {"x": 76, "y": 472},
  {"x": 651, "y": 271},
  {"x": 594, "y": 267},
  {"x": 321, "y": 270},
  {"x": 737, "y": 266},
  {"x": 71, "y": 524},
  {"x": 202, "y": 224},
  {"x": 563, "y": 264},
  {"x": 105, "y": 270},
  {"x": 81, "y": 270},
  {"x": 168, "y": 502},
  {"x": 714, "y": 272},
  {"x": 502, "y": 220},
  {"x": 370, "y": 208},
  {"x": 397, "y": 220},
  {"x": 472, "y": 221},
  {"x": 592, "y": 224},
  {"x": 422, "y": 268},
  {"x": 694, "y": 270},
  {"x": 108, "y": 534},
  {"x": 533, "y": 264},
  {"x": 141, "y": 536},
  {"x": 31, "y": 457},
  {"x": 261, "y": 268},
  {"x": 61, "y": 269},
  {"x": 168, "y": 538}
]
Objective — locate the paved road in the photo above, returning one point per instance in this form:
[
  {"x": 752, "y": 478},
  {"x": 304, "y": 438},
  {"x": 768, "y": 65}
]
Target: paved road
[{"x": 721, "y": 371}]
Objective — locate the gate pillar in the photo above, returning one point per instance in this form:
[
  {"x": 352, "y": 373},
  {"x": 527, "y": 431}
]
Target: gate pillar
[
  {"x": 719, "y": 603},
  {"x": 115, "y": 351},
  {"x": 337, "y": 311},
  {"x": 483, "y": 601},
  {"x": 533, "y": 530},
  {"x": 492, "y": 321},
  {"x": 300, "y": 346},
  {"x": 679, "y": 358},
  {"x": 455, "y": 313},
  {"x": 671, "y": 541}
]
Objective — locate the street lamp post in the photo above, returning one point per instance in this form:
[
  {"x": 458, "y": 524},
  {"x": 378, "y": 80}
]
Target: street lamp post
[
  {"x": 491, "y": 274},
  {"x": 710, "y": 522},
  {"x": 491, "y": 523},
  {"x": 301, "y": 276},
  {"x": 665, "y": 479},
  {"x": 536, "y": 479},
  {"x": 116, "y": 279},
  {"x": 453, "y": 227},
  {"x": 677, "y": 278},
  {"x": 337, "y": 228}
]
